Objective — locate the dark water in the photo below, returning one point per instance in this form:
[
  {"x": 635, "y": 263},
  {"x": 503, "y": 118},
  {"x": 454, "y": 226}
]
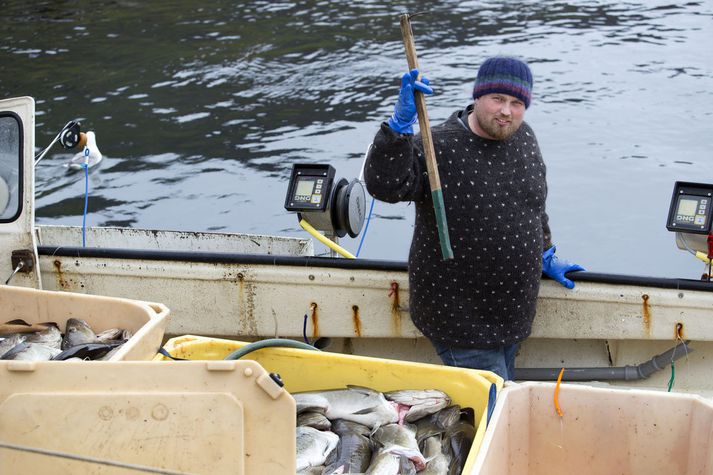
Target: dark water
[{"x": 201, "y": 108}]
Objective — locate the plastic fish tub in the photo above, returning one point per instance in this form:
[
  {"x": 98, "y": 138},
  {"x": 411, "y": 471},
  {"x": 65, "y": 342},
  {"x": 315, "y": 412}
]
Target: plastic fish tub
[
  {"x": 601, "y": 431},
  {"x": 305, "y": 370},
  {"x": 131, "y": 417},
  {"x": 147, "y": 321}
]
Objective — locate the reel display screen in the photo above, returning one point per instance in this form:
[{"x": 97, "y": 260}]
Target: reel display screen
[
  {"x": 690, "y": 209},
  {"x": 310, "y": 187},
  {"x": 308, "y": 190}
]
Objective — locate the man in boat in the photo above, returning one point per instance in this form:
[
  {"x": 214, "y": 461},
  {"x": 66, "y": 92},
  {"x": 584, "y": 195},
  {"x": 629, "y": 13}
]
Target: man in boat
[{"x": 477, "y": 307}]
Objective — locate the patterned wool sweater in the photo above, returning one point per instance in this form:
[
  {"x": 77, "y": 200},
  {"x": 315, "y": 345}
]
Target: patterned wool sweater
[{"x": 494, "y": 193}]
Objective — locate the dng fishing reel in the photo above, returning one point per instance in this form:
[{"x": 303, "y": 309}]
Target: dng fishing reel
[
  {"x": 335, "y": 207},
  {"x": 690, "y": 216}
]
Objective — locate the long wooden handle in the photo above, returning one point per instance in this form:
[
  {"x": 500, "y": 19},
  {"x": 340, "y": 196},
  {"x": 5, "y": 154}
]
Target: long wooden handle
[{"x": 433, "y": 179}]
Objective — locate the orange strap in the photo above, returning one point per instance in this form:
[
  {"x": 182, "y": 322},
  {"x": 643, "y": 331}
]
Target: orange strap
[{"x": 557, "y": 393}]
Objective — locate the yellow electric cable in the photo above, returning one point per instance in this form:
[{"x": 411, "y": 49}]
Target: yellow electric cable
[
  {"x": 703, "y": 256},
  {"x": 327, "y": 242}
]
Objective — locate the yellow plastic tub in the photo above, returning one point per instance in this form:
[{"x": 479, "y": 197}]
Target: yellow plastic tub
[
  {"x": 305, "y": 370},
  {"x": 147, "y": 321}
]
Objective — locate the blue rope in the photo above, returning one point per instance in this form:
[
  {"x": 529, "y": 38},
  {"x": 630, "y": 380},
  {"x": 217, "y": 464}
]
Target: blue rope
[
  {"x": 86, "y": 201},
  {"x": 363, "y": 235}
]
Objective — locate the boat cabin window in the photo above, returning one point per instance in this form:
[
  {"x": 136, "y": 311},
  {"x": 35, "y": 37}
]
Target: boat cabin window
[{"x": 10, "y": 165}]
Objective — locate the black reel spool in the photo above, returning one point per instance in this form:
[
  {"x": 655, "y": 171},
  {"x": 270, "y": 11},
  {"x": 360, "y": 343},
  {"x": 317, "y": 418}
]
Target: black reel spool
[
  {"x": 70, "y": 135},
  {"x": 348, "y": 209}
]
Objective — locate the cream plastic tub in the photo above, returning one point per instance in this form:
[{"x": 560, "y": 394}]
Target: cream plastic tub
[
  {"x": 602, "y": 431},
  {"x": 147, "y": 321},
  {"x": 187, "y": 417}
]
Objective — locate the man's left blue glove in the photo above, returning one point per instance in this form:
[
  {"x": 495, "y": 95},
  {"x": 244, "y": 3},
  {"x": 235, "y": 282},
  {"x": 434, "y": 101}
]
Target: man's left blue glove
[{"x": 556, "y": 269}]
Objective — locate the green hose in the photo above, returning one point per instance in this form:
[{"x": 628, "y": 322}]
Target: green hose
[{"x": 269, "y": 343}]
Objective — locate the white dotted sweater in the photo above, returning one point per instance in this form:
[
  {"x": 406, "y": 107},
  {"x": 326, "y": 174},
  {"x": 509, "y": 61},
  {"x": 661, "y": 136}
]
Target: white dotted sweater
[{"x": 494, "y": 193}]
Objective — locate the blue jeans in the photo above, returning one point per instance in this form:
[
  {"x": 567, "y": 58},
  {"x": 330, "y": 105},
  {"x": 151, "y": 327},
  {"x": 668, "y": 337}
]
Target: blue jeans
[{"x": 500, "y": 360}]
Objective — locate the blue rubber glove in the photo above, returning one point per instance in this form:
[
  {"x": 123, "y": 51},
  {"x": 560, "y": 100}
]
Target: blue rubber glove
[
  {"x": 404, "y": 115},
  {"x": 556, "y": 269}
]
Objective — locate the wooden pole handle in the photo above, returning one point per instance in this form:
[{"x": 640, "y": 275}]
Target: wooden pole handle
[
  {"x": 431, "y": 165},
  {"x": 423, "y": 123}
]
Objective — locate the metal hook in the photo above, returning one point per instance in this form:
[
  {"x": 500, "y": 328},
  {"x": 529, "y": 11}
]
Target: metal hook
[
  {"x": 411, "y": 15},
  {"x": 20, "y": 265}
]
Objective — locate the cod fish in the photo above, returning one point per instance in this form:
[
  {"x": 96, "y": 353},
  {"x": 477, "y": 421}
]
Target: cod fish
[
  {"x": 108, "y": 355},
  {"x": 406, "y": 466},
  {"x": 437, "y": 423},
  {"x": 78, "y": 332},
  {"x": 90, "y": 351},
  {"x": 313, "y": 447},
  {"x": 417, "y": 403},
  {"x": 311, "y": 471},
  {"x": 311, "y": 402},
  {"x": 460, "y": 438},
  {"x": 50, "y": 336},
  {"x": 10, "y": 342},
  {"x": 113, "y": 334},
  {"x": 314, "y": 419},
  {"x": 361, "y": 405},
  {"x": 384, "y": 463},
  {"x": 31, "y": 352},
  {"x": 400, "y": 440},
  {"x": 438, "y": 462},
  {"x": 353, "y": 453}
]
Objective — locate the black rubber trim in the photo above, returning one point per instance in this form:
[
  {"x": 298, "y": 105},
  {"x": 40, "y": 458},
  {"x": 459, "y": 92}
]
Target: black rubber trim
[
  {"x": 367, "y": 264},
  {"x": 222, "y": 258}
]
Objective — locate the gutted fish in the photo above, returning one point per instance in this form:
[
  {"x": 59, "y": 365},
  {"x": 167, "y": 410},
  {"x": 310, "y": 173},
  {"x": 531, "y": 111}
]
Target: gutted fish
[
  {"x": 417, "y": 403},
  {"x": 311, "y": 402},
  {"x": 437, "y": 423},
  {"x": 10, "y": 342},
  {"x": 31, "y": 352},
  {"x": 113, "y": 334},
  {"x": 361, "y": 405},
  {"x": 86, "y": 351},
  {"x": 77, "y": 332},
  {"x": 50, "y": 336},
  {"x": 400, "y": 440},
  {"x": 438, "y": 462},
  {"x": 460, "y": 438},
  {"x": 314, "y": 419},
  {"x": 313, "y": 447},
  {"x": 311, "y": 471},
  {"x": 406, "y": 466},
  {"x": 353, "y": 453},
  {"x": 384, "y": 463}
]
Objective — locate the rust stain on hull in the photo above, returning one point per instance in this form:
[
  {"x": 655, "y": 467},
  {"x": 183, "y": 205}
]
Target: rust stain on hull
[
  {"x": 646, "y": 312},
  {"x": 246, "y": 299},
  {"x": 61, "y": 281},
  {"x": 356, "y": 319},
  {"x": 395, "y": 309},
  {"x": 315, "y": 320},
  {"x": 678, "y": 332}
]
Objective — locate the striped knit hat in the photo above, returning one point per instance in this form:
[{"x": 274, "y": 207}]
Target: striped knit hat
[{"x": 505, "y": 76}]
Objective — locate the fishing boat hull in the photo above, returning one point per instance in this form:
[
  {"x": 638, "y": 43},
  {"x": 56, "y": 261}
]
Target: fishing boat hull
[{"x": 607, "y": 321}]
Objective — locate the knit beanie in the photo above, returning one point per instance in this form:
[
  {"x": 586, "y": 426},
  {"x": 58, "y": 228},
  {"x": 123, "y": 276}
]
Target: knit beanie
[{"x": 505, "y": 76}]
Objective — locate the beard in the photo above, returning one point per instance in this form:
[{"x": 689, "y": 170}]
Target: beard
[{"x": 494, "y": 130}]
